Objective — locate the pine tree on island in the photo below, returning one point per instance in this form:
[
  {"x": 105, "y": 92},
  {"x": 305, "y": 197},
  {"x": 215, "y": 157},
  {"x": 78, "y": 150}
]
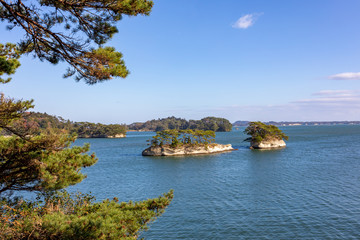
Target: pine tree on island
[
  {"x": 184, "y": 142},
  {"x": 264, "y": 136}
]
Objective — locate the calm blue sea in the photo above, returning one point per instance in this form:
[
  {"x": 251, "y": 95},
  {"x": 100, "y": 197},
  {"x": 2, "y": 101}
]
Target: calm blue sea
[{"x": 309, "y": 190}]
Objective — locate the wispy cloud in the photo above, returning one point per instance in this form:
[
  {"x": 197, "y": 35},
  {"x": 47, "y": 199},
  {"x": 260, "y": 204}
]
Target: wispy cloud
[
  {"x": 246, "y": 21},
  {"x": 346, "y": 76},
  {"x": 334, "y": 98},
  {"x": 335, "y": 93}
]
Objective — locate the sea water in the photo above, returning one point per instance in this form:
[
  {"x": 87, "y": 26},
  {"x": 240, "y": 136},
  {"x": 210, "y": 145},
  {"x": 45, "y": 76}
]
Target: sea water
[{"x": 308, "y": 190}]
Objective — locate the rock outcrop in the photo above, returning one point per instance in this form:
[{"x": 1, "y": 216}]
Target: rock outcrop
[
  {"x": 268, "y": 144},
  {"x": 187, "y": 150},
  {"x": 103, "y": 136},
  {"x": 117, "y": 136}
]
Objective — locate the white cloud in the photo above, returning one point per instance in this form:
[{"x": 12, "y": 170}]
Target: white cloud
[
  {"x": 334, "y": 97},
  {"x": 346, "y": 76},
  {"x": 246, "y": 21}
]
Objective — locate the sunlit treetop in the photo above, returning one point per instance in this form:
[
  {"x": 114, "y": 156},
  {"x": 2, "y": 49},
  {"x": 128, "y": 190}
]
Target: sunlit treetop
[
  {"x": 9, "y": 62},
  {"x": 259, "y": 131},
  {"x": 69, "y": 30}
]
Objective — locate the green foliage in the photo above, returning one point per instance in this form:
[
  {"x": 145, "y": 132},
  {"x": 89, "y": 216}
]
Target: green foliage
[
  {"x": 103, "y": 64},
  {"x": 41, "y": 160},
  {"x": 36, "y": 159},
  {"x": 9, "y": 62},
  {"x": 65, "y": 216},
  {"x": 12, "y": 110},
  {"x": 42, "y": 121},
  {"x": 260, "y": 131},
  {"x": 214, "y": 124},
  {"x": 209, "y": 123},
  {"x": 36, "y": 162},
  {"x": 92, "y": 130},
  {"x": 67, "y": 31},
  {"x": 176, "y": 138}
]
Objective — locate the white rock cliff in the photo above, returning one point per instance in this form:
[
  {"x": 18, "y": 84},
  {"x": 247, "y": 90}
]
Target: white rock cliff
[
  {"x": 186, "y": 150},
  {"x": 268, "y": 144}
]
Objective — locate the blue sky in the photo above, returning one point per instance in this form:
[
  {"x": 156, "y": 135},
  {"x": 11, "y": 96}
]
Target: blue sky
[{"x": 242, "y": 60}]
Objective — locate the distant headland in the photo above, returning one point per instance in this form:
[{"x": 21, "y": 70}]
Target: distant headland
[
  {"x": 209, "y": 123},
  {"x": 41, "y": 121}
]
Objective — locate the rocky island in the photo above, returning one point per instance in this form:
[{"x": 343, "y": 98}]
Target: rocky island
[
  {"x": 186, "y": 150},
  {"x": 263, "y": 136},
  {"x": 184, "y": 142}
]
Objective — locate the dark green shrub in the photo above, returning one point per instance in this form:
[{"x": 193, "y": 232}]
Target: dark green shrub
[{"x": 259, "y": 131}]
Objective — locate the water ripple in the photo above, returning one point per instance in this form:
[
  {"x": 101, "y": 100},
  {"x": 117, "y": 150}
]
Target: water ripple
[{"x": 309, "y": 190}]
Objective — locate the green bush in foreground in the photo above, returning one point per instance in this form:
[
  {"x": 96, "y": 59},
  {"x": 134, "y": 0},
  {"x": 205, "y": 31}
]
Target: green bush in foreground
[
  {"x": 62, "y": 216},
  {"x": 259, "y": 131},
  {"x": 43, "y": 161}
]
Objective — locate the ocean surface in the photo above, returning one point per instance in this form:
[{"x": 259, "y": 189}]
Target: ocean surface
[{"x": 309, "y": 190}]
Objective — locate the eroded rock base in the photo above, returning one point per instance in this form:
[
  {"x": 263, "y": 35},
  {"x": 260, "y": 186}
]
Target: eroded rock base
[
  {"x": 186, "y": 150},
  {"x": 268, "y": 144}
]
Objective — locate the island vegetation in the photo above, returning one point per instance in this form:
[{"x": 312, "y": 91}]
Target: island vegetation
[
  {"x": 184, "y": 142},
  {"x": 41, "y": 121},
  {"x": 209, "y": 123},
  {"x": 176, "y": 138},
  {"x": 43, "y": 161},
  {"x": 98, "y": 130},
  {"x": 265, "y": 136}
]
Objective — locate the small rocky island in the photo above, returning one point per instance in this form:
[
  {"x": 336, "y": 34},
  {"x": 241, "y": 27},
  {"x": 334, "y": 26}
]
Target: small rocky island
[
  {"x": 263, "y": 136},
  {"x": 122, "y": 135},
  {"x": 184, "y": 142}
]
